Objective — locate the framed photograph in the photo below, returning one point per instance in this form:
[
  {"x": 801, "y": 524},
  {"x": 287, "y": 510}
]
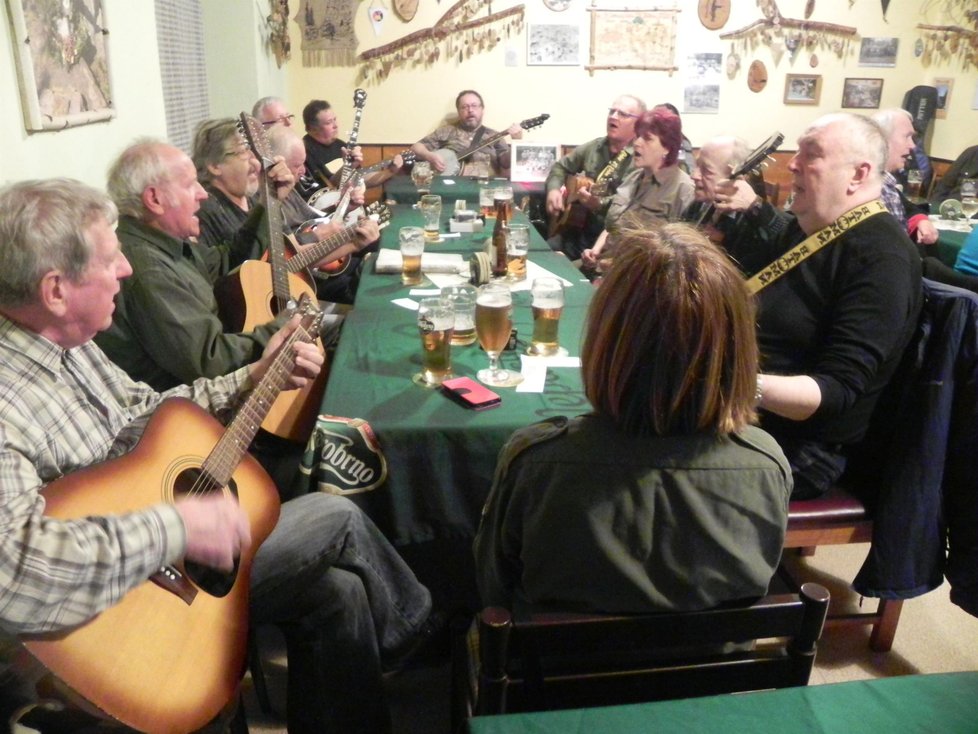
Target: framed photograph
[
  {"x": 61, "y": 51},
  {"x": 862, "y": 94},
  {"x": 802, "y": 88},
  {"x": 532, "y": 161},
  {"x": 878, "y": 51},
  {"x": 943, "y": 97},
  {"x": 552, "y": 44}
]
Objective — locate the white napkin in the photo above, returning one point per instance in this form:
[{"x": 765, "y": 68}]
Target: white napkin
[{"x": 389, "y": 261}]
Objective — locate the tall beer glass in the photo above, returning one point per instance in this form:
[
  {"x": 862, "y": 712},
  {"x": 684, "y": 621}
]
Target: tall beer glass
[
  {"x": 421, "y": 175},
  {"x": 547, "y": 304},
  {"x": 431, "y": 210},
  {"x": 462, "y": 298},
  {"x": 493, "y": 325},
  {"x": 411, "y": 240},
  {"x": 436, "y": 321},
  {"x": 517, "y": 246}
]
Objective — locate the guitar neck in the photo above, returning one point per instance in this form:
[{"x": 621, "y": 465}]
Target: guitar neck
[
  {"x": 276, "y": 243},
  {"x": 231, "y": 448},
  {"x": 485, "y": 143},
  {"x": 319, "y": 250}
]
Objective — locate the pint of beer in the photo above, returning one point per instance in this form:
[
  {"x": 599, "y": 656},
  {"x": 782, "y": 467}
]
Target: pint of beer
[
  {"x": 914, "y": 185},
  {"x": 492, "y": 317},
  {"x": 547, "y": 304},
  {"x": 462, "y": 298},
  {"x": 517, "y": 245},
  {"x": 436, "y": 321},
  {"x": 431, "y": 210},
  {"x": 421, "y": 175},
  {"x": 411, "y": 240}
]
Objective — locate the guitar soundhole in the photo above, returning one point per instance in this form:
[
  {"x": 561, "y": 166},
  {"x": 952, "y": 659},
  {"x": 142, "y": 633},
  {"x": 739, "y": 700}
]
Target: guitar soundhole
[{"x": 211, "y": 581}]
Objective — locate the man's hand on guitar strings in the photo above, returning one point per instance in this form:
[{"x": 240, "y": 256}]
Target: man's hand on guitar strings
[
  {"x": 308, "y": 357},
  {"x": 217, "y": 529}
]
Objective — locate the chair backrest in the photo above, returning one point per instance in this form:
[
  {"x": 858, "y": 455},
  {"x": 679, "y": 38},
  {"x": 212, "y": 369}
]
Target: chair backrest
[{"x": 552, "y": 661}]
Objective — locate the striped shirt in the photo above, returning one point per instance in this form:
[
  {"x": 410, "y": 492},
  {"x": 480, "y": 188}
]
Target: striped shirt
[{"x": 63, "y": 410}]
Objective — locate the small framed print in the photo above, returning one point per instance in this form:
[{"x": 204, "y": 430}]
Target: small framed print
[
  {"x": 944, "y": 87},
  {"x": 553, "y": 44},
  {"x": 863, "y": 94},
  {"x": 802, "y": 88},
  {"x": 878, "y": 51},
  {"x": 531, "y": 162}
]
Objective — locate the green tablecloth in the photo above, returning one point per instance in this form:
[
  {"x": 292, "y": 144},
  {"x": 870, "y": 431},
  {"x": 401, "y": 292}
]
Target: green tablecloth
[
  {"x": 402, "y": 215},
  {"x": 946, "y": 703},
  {"x": 440, "y": 455},
  {"x": 403, "y": 191},
  {"x": 949, "y": 244}
]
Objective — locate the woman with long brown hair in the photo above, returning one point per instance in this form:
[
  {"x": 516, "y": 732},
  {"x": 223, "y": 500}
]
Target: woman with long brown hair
[{"x": 666, "y": 496}]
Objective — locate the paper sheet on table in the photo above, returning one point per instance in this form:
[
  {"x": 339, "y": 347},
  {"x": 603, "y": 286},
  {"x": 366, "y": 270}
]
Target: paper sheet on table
[
  {"x": 953, "y": 225},
  {"x": 389, "y": 261},
  {"x": 535, "y": 271},
  {"x": 443, "y": 280},
  {"x": 534, "y": 370}
]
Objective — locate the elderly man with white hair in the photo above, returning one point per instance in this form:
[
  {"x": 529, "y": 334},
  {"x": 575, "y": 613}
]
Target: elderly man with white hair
[{"x": 834, "y": 316}]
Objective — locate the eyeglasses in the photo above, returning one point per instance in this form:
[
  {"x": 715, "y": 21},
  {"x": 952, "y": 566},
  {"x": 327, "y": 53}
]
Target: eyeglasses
[
  {"x": 282, "y": 119},
  {"x": 615, "y": 112},
  {"x": 474, "y": 106},
  {"x": 242, "y": 152}
]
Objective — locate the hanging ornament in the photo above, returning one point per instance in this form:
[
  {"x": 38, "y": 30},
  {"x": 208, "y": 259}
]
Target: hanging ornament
[
  {"x": 733, "y": 64},
  {"x": 813, "y": 61},
  {"x": 406, "y": 9},
  {"x": 809, "y": 9},
  {"x": 756, "y": 76},
  {"x": 377, "y": 13}
]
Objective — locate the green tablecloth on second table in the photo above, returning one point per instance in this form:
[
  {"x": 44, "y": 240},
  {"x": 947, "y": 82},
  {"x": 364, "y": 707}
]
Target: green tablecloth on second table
[
  {"x": 440, "y": 455},
  {"x": 945, "y": 703},
  {"x": 403, "y": 191},
  {"x": 949, "y": 244}
]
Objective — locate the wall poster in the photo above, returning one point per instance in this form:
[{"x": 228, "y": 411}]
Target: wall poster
[{"x": 633, "y": 39}]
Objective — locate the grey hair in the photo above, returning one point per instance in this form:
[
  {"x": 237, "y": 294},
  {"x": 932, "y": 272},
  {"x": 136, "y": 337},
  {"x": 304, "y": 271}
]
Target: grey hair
[
  {"x": 261, "y": 104},
  {"x": 887, "y": 118},
  {"x": 865, "y": 140},
  {"x": 642, "y": 107},
  {"x": 739, "y": 149},
  {"x": 210, "y": 144},
  {"x": 281, "y": 140},
  {"x": 137, "y": 167},
  {"x": 44, "y": 227}
]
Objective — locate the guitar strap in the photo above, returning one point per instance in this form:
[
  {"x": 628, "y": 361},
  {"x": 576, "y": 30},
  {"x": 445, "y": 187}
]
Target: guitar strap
[
  {"x": 474, "y": 145},
  {"x": 611, "y": 167},
  {"x": 810, "y": 245}
]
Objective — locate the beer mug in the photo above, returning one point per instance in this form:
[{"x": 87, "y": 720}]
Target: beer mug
[
  {"x": 411, "y": 240},
  {"x": 487, "y": 205},
  {"x": 517, "y": 245},
  {"x": 462, "y": 298},
  {"x": 421, "y": 175},
  {"x": 547, "y": 304},
  {"x": 436, "y": 321},
  {"x": 915, "y": 180},
  {"x": 431, "y": 210}
]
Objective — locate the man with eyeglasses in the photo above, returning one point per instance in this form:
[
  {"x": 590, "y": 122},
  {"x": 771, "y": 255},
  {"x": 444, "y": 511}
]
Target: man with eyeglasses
[
  {"x": 443, "y": 147},
  {"x": 270, "y": 112},
  {"x": 577, "y": 217}
]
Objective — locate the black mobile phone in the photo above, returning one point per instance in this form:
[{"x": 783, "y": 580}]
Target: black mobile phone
[{"x": 470, "y": 393}]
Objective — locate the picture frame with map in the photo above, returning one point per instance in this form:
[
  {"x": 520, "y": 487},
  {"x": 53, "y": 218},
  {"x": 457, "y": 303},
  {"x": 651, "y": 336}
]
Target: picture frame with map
[
  {"x": 633, "y": 39},
  {"x": 61, "y": 50}
]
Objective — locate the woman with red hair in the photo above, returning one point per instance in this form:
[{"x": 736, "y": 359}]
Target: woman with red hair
[{"x": 657, "y": 189}]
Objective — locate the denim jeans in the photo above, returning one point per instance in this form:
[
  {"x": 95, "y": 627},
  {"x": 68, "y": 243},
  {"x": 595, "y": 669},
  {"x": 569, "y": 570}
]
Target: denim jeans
[{"x": 343, "y": 598}]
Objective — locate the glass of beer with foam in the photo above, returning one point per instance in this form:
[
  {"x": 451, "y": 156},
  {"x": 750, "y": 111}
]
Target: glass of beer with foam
[
  {"x": 436, "y": 321},
  {"x": 431, "y": 210},
  {"x": 517, "y": 246},
  {"x": 411, "y": 240},
  {"x": 547, "y": 304},
  {"x": 462, "y": 298},
  {"x": 493, "y": 324}
]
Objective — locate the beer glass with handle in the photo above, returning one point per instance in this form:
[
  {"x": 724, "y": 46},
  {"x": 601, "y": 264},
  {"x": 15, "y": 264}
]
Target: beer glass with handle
[
  {"x": 547, "y": 304},
  {"x": 493, "y": 325},
  {"x": 436, "y": 321}
]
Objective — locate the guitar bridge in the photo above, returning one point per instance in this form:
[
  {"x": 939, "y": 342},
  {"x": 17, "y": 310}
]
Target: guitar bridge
[{"x": 170, "y": 579}]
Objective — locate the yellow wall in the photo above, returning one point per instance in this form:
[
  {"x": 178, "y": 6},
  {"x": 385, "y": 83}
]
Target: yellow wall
[{"x": 410, "y": 102}]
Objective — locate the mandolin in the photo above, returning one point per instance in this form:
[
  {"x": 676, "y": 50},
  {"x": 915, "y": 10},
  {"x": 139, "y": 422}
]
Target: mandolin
[{"x": 170, "y": 654}]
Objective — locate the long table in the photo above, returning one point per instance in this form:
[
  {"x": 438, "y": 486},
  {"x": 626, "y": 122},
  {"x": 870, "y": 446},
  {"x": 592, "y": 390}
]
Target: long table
[
  {"x": 946, "y": 703},
  {"x": 402, "y": 190},
  {"x": 440, "y": 455}
]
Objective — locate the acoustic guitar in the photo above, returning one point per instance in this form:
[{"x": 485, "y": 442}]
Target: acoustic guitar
[
  {"x": 170, "y": 654},
  {"x": 257, "y": 292},
  {"x": 453, "y": 161},
  {"x": 574, "y": 216}
]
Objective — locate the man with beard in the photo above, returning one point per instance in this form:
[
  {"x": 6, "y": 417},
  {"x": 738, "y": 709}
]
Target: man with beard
[
  {"x": 442, "y": 147},
  {"x": 606, "y": 159}
]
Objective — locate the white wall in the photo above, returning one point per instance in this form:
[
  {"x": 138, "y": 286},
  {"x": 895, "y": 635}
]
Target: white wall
[
  {"x": 84, "y": 152},
  {"x": 410, "y": 102}
]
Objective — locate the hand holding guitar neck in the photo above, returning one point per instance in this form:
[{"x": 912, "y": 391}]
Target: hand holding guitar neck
[
  {"x": 305, "y": 358},
  {"x": 280, "y": 177},
  {"x": 515, "y": 131},
  {"x": 734, "y": 196}
]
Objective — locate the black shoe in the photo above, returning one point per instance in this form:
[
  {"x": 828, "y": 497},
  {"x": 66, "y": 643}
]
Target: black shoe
[{"x": 418, "y": 646}]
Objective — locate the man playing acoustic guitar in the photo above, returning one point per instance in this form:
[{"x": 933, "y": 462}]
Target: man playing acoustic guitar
[{"x": 342, "y": 596}]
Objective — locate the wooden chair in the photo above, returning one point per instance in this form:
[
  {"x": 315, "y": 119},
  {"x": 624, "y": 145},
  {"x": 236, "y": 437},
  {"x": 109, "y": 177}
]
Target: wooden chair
[
  {"x": 839, "y": 518},
  {"x": 563, "y": 660}
]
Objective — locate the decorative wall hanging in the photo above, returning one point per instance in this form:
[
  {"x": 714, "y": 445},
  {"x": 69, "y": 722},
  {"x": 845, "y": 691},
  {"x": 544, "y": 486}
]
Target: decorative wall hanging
[
  {"x": 377, "y": 12},
  {"x": 944, "y": 87},
  {"x": 550, "y": 44},
  {"x": 792, "y": 34},
  {"x": 328, "y": 38},
  {"x": 756, "y": 76},
  {"x": 714, "y": 14},
  {"x": 277, "y": 28},
  {"x": 878, "y": 51},
  {"x": 457, "y": 35},
  {"x": 406, "y": 9},
  {"x": 62, "y": 62},
  {"x": 945, "y": 43},
  {"x": 633, "y": 39},
  {"x": 802, "y": 89},
  {"x": 864, "y": 94},
  {"x": 558, "y": 6}
]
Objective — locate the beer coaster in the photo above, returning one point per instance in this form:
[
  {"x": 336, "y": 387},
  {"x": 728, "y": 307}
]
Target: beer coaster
[
  {"x": 512, "y": 378},
  {"x": 561, "y": 352}
]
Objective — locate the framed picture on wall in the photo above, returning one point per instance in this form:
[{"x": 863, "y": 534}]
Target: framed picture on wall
[
  {"x": 862, "y": 94},
  {"x": 553, "y": 44},
  {"x": 532, "y": 161},
  {"x": 944, "y": 87},
  {"x": 62, "y": 62},
  {"x": 878, "y": 51},
  {"x": 802, "y": 88}
]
